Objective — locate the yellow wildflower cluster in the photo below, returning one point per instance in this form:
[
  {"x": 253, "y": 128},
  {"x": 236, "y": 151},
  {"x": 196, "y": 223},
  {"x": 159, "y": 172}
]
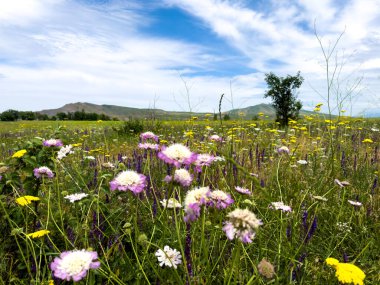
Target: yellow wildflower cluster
[
  {"x": 346, "y": 273},
  {"x": 19, "y": 153},
  {"x": 38, "y": 234},
  {"x": 26, "y": 200}
]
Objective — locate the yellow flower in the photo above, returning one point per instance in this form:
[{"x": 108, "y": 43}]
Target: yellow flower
[
  {"x": 76, "y": 144},
  {"x": 51, "y": 282},
  {"x": 318, "y": 105},
  {"x": 260, "y": 114},
  {"x": 346, "y": 273},
  {"x": 367, "y": 141},
  {"x": 38, "y": 234},
  {"x": 19, "y": 153},
  {"x": 316, "y": 109},
  {"x": 26, "y": 200}
]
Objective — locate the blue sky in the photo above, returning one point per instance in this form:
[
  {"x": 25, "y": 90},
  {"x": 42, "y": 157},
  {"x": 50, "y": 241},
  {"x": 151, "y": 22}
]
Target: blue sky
[{"x": 160, "y": 53}]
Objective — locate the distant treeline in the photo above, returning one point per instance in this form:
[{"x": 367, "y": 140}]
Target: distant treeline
[{"x": 14, "y": 115}]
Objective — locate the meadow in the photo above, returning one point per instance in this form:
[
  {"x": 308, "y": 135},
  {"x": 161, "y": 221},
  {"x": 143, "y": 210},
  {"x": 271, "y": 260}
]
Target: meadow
[{"x": 195, "y": 202}]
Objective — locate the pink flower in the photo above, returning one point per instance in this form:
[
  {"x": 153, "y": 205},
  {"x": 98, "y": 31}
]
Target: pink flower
[
  {"x": 149, "y": 146},
  {"x": 215, "y": 138},
  {"x": 129, "y": 180},
  {"x": 183, "y": 177},
  {"x": 148, "y": 135},
  {"x": 52, "y": 142},
  {"x": 283, "y": 149},
  {"x": 203, "y": 160},
  {"x": 177, "y": 154},
  {"x": 280, "y": 206},
  {"x": 73, "y": 265},
  {"x": 220, "y": 199},
  {"x": 243, "y": 190},
  {"x": 43, "y": 171}
]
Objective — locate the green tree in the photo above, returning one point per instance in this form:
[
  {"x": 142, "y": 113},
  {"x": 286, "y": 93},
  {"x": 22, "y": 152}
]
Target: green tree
[{"x": 284, "y": 99}]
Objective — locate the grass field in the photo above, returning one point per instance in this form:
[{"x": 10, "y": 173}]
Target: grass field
[{"x": 254, "y": 204}]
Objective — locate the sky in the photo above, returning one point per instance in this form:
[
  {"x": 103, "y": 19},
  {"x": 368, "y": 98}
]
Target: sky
[{"x": 182, "y": 55}]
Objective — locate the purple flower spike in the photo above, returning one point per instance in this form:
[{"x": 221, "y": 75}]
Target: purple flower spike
[
  {"x": 73, "y": 265},
  {"x": 52, "y": 142},
  {"x": 129, "y": 180},
  {"x": 43, "y": 171}
]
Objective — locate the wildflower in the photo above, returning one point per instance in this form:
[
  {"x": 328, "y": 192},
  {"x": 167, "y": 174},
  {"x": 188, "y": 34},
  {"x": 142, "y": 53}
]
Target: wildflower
[
  {"x": 220, "y": 199},
  {"x": 242, "y": 224},
  {"x": 280, "y": 206},
  {"x": 19, "y": 153},
  {"x": 355, "y": 203},
  {"x": 177, "y": 154},
  {"x": 367, "y": 141},
  {"x": 73, "y": 265},
  {"x": 193, "y": 200},
  {"x": 129, "y": 180},
  {"x": 64, "y": 151},
  {"x": 38, "y": 234},
  {"x": 215, "y": 138},
  {"x": 26, "y": 200},
  {"x": 89, "y": 157},
  {"x": 148, "y": 146},
  {"x": 283, "y": 149},
  {"x": 341, "y": 183},
  {"x": 243, "y": 190},
  {"x": 265, "y": 268},
  {"x": 148, "y": 135},
  {"x": 75, "y": 197},
  {"x": 108, "y": 165},
  {"x": 171, "y": 203},
  {"x": 346, "y": 273},
  {"x": 183, "y": 177},
  {"x": 52, "y": 142},
  {"x": 169, "y": 257},
  {"x": 344, "y": 227},
  {"x": 302, "y": 162},
  {"x": 203, "y": 159},
  {"x": 43, "y": 171}
]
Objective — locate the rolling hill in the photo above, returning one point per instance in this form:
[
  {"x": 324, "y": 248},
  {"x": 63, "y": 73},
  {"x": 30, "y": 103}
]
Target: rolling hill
[{"x": 124, "y": 113}]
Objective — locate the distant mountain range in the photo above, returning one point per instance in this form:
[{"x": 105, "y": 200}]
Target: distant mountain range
[{"x": 123, "y": 113}]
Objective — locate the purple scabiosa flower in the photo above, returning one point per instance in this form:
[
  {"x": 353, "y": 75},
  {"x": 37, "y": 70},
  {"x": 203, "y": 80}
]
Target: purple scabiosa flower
[
  {"x": 177, "y": 154},
  {"x": 193, "y": 201},
  {"x": 219, "y": 199},
  {"x": 148, "y": 135},
  {"x": 129, "y": 180},
  {"x": 183, "y": 177},
  {"x": 203, "y": 159},
  {"x": 64, "y": 151},
  {"x": 280, "y": 206},
  {"x": 243, "y": 190},
  {"x": 242, "y": 224},
  {"x": 43, "y": 171},
  {"x": 73, "y": 265},
  {"x": 152, "y": 146},
  {"x": 52, "y": 142},
  {"x": 168, "y": 178},
  {"x": 283, "y": 150}
]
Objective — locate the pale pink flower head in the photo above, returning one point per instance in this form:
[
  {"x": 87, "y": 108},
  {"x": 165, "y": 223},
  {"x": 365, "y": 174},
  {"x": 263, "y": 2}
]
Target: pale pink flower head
[
  {"x": 148, "y": 135},
  {"x": 43, "y": 171},
  {"x": 73, "y": 265},
  {"x": 242, "y": 190},
  {"x": 183, "y": 177},
  {"x": 215, "y": 138},
  {"x": 129, "y": 180},
  {"x": 241, "y": 224},
  {"x": 52, "y": 142},
  {"x": 219, "y": 199},
  {"x": 146, "y": 145},
  {"x": 203, "y": 159},
  {"x": 194, "y": 199},
  {"x": 177, "y": 154},
  {"x": 283, "y": 150},
  {"x": 280, "y": 206}
]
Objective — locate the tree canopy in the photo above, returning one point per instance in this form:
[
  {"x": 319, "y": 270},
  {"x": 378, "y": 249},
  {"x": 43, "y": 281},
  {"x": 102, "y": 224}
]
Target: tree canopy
[{"x": 284, "y": 98}]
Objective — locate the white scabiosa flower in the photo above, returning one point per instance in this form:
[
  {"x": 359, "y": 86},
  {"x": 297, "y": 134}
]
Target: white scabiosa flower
[
  {"x": 64, "y": 151},
  {"x": 280, "y": 206},
  {"x": 129, "y": 180},
  {"x": 171, "y": 203},
  {"x": 183, "y": 177},
  {"x": 168, "y": 257}
]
